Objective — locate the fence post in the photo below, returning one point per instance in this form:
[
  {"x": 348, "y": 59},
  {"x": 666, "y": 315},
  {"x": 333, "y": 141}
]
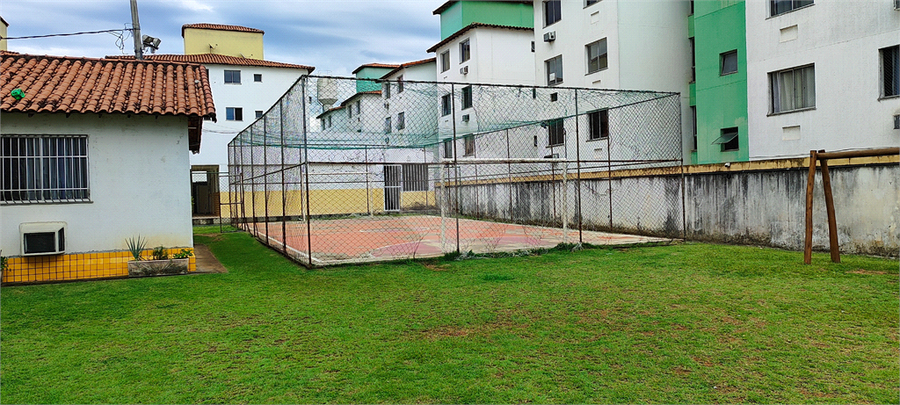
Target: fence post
[
  {"x": 455, "y": 158},
  {"x": 284, "y": 216},
  {"x": 266, "y": 175},
  {"x": 578, "y": 167},
  {"x": 304, "y": 81}
]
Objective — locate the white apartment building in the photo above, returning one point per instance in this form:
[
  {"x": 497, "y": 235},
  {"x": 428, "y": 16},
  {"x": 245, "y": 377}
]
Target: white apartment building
[
  {"x": 822, "y": 75},
  {"x": 615, "y": 44}
]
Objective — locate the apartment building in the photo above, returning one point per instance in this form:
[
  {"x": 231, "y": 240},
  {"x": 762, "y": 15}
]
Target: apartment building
[
  {"x": 615, "y": 44},
  {"x": 821, "y": 75}
]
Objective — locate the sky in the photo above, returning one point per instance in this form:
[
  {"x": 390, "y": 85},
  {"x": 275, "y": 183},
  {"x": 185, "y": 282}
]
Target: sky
[{"x": 335, "y": 36}]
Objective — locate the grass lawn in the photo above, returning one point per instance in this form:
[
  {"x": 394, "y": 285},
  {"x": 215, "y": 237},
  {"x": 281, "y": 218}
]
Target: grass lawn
[{"x": 691, "y": 323}]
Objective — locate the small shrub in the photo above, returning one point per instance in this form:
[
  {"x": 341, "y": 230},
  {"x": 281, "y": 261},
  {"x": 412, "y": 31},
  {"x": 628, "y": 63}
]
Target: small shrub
[
  {"x": 136, "y": 246},
  {"x": 183, "y": 254},
  {"x": 159, "y": 253}
]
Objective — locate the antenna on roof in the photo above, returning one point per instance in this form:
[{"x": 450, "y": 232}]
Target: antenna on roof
[{"x": 136, "y": 33}]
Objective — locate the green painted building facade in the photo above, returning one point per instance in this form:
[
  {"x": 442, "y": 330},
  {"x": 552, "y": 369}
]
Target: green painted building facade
[
  {"x": 456, "y": 15},
  {"x": 370, "y": 72},
  {"x": 719, "y": 91}
]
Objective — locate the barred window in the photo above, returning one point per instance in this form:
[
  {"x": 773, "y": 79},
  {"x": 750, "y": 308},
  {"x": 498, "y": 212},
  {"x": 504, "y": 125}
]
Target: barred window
[
  {"x": 44, "y": 169},
  {"x": 415, "y": 177},
  {"x": 555, "y": 132}
]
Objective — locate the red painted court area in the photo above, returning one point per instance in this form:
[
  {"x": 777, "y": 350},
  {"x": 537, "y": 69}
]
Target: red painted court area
[{"x": 381, "y": 238}]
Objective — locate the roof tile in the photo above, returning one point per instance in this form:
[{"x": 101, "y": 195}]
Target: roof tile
[
  {"x": 215, "y": 59},
  {"x": 221, "y": 27},
  {"x": 86, "y": 85}
]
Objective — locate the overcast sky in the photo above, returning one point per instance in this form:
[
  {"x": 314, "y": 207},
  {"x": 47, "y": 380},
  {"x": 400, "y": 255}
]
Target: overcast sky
[{"x": 335, "y": 36}]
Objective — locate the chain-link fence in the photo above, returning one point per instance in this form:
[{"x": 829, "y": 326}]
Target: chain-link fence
[{"x": 421, "y": 169}]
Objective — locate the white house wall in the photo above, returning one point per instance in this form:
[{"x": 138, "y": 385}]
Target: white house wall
[
  {"x": 842, "y": 40},
  {"x": 139, "y": 183}
]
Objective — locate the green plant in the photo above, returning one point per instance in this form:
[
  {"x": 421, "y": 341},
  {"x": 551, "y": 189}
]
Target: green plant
[
  {"x": 160, "y": 253},
  {"x": 183, "y": 254},
  {"x": 136, "y": 246}
]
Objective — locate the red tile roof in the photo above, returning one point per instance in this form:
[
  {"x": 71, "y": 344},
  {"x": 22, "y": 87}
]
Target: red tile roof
[
  {"x": 408, "y": 64},
  {"x": 221, "y": 27},
  {"x": 85, "y": 85},
  {"x": 459, "y": 33},
  {"x": 55, "y": 84},
  {"x": 376, "y": 65},
  {"x": 214, "y": 59}
]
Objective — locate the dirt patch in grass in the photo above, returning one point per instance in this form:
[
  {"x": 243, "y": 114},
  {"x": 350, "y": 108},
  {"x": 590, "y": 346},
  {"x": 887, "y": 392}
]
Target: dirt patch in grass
[
  {"x": 436, "y": 267},
  {"x": 868, "y": 272},
  {"x": 445, "y": 331}
]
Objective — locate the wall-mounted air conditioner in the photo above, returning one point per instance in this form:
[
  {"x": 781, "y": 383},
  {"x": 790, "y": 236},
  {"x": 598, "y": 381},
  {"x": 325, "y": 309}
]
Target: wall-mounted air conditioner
[
  {"x": 465, "y": 117},
  {"x": 42, "y": 238},
  {"x": 550, "y": 36},
  {"x": 464, "y": 70}
]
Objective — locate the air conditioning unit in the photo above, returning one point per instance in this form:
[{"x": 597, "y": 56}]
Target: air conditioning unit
[
  {"x": 42, "y": 238},
  {"x": 465, "y": 117},
  {"x": 464, "y": 70},
  {"x": 550, "y": 36}
]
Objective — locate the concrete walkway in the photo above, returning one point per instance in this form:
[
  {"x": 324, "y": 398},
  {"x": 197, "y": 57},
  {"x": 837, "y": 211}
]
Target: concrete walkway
[{"x": 206, "y": 261}]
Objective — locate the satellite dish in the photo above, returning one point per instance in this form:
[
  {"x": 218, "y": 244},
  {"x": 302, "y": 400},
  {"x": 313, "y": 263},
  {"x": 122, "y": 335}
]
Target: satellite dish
[{"x": 326, "y": 92}]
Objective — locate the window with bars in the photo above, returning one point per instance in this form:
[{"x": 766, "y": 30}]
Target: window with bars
[
  {"x": 401, "y": 120},
  {"x": 415, "y": 177},
  {"x": 469, "y": 141},
  {"x": 448, "y": 148},
  {"x": 400, "y": 85},
  {"x": 44, "y": 169},
  {"x": 445, "y": 105},
  {"x": 890, "y": 71}
]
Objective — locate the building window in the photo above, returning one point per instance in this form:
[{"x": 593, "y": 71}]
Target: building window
[
  {"x": 259, "y": 114},
  {"x": 890, "y": 71},
  {"x": 729, "y": 140},
  {"x": 350, "y": 111},
  {"x": 445, "y": 105},
  {"x": 415, "y": 177},
  {"x": 358, "y": 107},
  {"x": 386, "y": 89},
  {"x": 401, "y": 120},
  {"x": 445, "y": 61},
  {"x": 590, "y": 2},
  {"x": 596, "y": 56},
  {"x": 598, "y": 123},
  {"x": 554, "y": 70},
  {"x": 552, "y": 11},
  {"x": 387, "y": 125},
  {"x": 728, "y": 62},
  {"x": 448, "y": 148},
  {"x": 693, "y": 59},
  {"x": 793, "y": 89},
  {"x": 777, "y": 7},
  {"x": 556, "y": 132},
  {"x": 329, "y": 121},
  {"x": 466, "y": 97},
  {"x": 400, "y": 84},
  {"x": 469, "y": 141},
  {"x": 234, "y": 114},
  {"x": 233, "y": 76},
  {"x": 44, "y": 169},
  {"x": 257, "y": 77},
  {"x": 694, "y": 124},
  {"x": 464, "y": 51}
]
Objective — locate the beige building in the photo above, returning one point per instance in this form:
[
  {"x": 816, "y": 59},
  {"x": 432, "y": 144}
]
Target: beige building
[{"x": 229, "y": 40}]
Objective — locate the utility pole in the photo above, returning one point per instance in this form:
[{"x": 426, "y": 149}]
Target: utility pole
[{"x": 136, "y": 32}]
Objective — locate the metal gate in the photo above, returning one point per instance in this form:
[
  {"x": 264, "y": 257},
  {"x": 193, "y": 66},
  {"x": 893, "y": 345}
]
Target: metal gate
[{"x": 393, "y": 176}]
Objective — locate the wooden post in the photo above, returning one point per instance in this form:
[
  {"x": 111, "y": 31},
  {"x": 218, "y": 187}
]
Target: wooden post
[
  {"x": 810, "y": 183},
  {"x": 829, "y": 207}
]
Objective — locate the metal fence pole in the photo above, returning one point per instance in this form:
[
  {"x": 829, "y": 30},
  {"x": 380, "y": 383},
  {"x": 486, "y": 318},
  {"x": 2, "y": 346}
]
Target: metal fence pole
[
  {"x": 284, "y": 216},
  {"x": 266, "y": 175},
  {"x": 578, "y": 167},
  {"x": 304, "y": 81},
  {"x": 455, "y": 159}
]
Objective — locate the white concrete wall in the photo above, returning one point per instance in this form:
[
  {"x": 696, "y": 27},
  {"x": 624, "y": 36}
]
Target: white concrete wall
[
  {"x": 497, "y": 56},
  {"x": 842, "y": 40},
  {"x": 139, "y": 182},
  {"x": 249, "y": 95},
  {"x": 419, "y": 103}
]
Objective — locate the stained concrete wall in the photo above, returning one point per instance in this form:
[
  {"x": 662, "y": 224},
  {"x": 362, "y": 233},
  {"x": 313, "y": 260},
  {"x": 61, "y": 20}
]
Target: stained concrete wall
[{"x": 746, "y": 206}]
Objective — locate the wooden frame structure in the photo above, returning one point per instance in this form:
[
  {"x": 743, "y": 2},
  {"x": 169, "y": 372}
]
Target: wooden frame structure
[{"x": 822, "y": 157}]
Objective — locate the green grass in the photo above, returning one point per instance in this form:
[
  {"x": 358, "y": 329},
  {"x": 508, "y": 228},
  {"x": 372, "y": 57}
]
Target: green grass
[{"x": 674, "y": 324}]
